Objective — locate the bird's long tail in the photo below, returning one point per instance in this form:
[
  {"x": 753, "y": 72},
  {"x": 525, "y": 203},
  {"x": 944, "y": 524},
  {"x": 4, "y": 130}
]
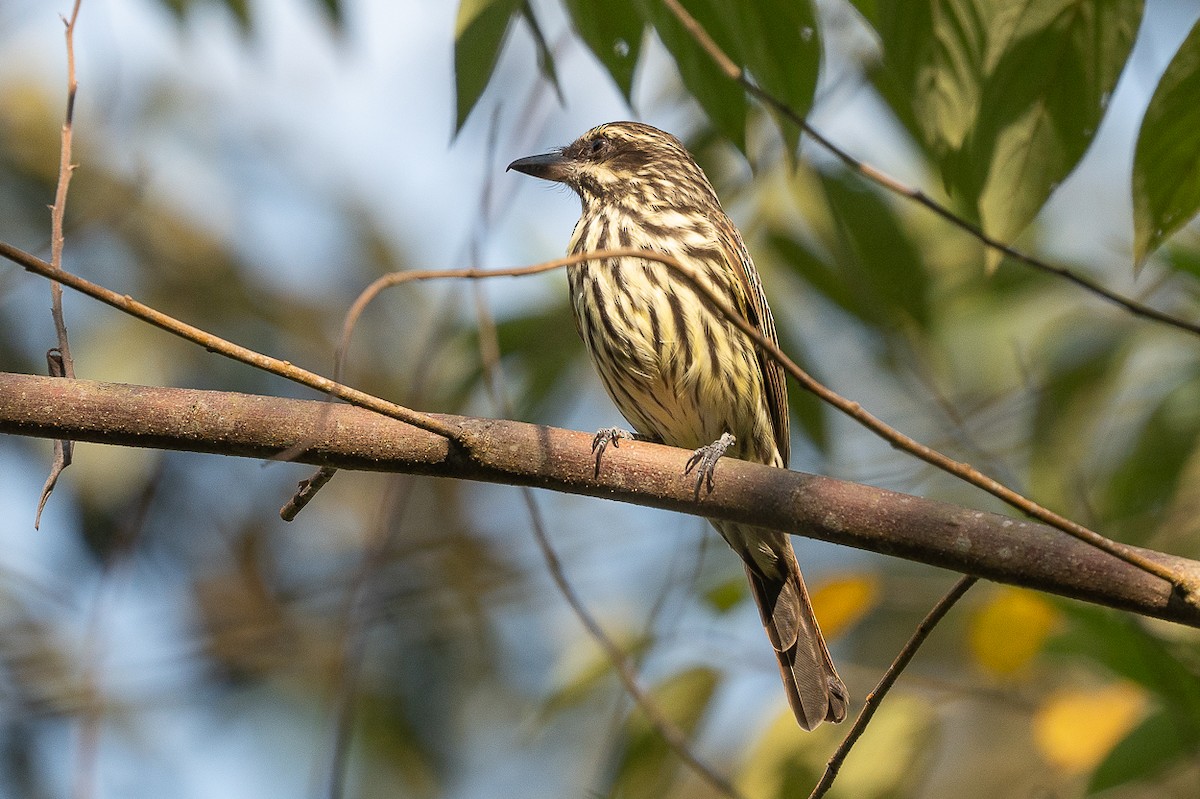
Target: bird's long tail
[{"x": 814, "y": 689}]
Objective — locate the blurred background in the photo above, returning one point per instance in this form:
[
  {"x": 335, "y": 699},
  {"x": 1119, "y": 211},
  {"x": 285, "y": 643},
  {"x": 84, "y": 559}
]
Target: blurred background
[{"x": 249, "y": 167}]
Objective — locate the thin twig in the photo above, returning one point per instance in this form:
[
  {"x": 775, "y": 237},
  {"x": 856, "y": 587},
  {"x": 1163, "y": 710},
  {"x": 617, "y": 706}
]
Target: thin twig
[
  {"x": 885, "y": 683},
  {"x": 353, "y": 647},
  {"x": 288, "y": 371},
  {"x": 58, "y": 210},
  {"x": 489, "y": 356},
  {"x": 737, "y": 74},
  {"x": 56, "y": 366},
  {"x": 675, "y": 738},
  {"x": 1185, "y": 587},
  {"x": 964, "y": 471},
  {"x": 670, "y": 733},
  {"x": 61, "y": 362},
  {"x": 114, "y": 575},
  {"x": 307, "y": 489}
]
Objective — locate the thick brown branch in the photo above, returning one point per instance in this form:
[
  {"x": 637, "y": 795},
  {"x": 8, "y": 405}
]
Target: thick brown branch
[
  {"x": 973, "y": 542},
  {"x": 1188, "y": 586}
]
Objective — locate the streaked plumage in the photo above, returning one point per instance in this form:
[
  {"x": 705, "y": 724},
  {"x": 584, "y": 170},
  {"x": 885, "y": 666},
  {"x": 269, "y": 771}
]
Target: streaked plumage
[{"x": 678, "y": 372}]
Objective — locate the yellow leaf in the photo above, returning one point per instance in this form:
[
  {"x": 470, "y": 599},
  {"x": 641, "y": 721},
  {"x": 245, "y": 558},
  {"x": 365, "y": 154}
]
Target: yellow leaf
[
  {"x": 1009, "y": 630},
  {"x": 1075, "y": 729},
  {"x": 786, "y": 761},
  {"x": 840, "y": 604}
]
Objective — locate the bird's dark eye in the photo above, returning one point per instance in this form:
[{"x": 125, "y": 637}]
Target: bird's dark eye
[{"x": 600, "y": 145}]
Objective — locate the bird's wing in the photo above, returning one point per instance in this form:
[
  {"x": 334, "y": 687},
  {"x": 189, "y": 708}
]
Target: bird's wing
[{"x": 758, "y": 313}]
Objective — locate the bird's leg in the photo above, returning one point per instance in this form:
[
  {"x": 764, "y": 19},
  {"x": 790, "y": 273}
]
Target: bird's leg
[{"x": 704, "y": 461}]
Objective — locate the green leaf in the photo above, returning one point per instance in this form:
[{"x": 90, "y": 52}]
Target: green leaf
[
  {"x": 479, "y": 32},
  {"x": 1184, "y": 259},
  {"x": 1042, "y": 104},
  {"x": 795, "y": 256},
  {"x": 815, "y": 271},
  {"x": 1150, "y": 748},
  {"x": 544, "y": 55},
  {"x": 241, "y": 12},
  {"x": 1004, "y": 97},
  {"x": 647, "y": 764},
  {"x": 1082, "y": 363},
  {"x": 722, "y": 99},
  {"x": 881, "y": 262},
  {"x": 612, "y": 29},
  {"x": 1128, "y": 650},
  {"x": 725, "y": 596},
  {"x": 868, "y": 264},
  {"x": 239, "y": 8},
  {"x": 334, "y": 9},
  {"x": 594, "y": 674},
  {"x": 542, "y": 369},
  {"x": 810, "y": 411},
  {"x": 1146, "y": 479},
  {"x": 780, "y": 46},
  {"x": 1166, "y": 164},
  {"x": 932, "y": 70},
  {"x": 869, "y": 9}
]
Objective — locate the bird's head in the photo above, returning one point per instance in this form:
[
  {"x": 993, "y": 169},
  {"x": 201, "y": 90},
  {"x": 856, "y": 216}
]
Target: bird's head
[{"x": 618, "y": 159}]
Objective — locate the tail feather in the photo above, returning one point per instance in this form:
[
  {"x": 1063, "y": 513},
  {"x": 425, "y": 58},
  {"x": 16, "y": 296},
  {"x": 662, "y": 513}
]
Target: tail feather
[{"x": 814, "y": 689}]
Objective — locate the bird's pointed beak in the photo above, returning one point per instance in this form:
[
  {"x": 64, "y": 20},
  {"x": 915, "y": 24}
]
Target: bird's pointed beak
[{"x": 551, "y": 166}]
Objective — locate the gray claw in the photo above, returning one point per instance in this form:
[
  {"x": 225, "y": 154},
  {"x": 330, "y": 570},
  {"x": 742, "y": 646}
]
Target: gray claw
[
  {"x": 704, "y": 461},
  {"x": 604, "y": 437}
]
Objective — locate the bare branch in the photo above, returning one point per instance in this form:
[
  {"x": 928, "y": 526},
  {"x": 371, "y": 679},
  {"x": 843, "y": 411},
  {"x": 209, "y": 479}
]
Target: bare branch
[
  {"x": 670, "y": 732},
  {"x": 987, "y": 545},
  {"x": 875, "y": 698},
  {"x": 56, "y": 364},
  {"x": 307, "y": 489},
  {"x": 623, "y": 665},
  {"x": 61, "y": 362},
  {"x": 212, "y": 343},
  {"x": 1188, "y": 586}
]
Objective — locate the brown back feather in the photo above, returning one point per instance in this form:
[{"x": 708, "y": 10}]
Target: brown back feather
[{"x": 758, "y": 313}]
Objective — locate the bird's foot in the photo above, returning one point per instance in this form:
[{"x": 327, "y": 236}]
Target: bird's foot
[
  {"x": 606, "y": 436},
  {"x": 704, "y": 461}
]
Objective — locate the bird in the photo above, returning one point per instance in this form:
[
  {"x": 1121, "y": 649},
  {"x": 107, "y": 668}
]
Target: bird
[{"x": 680, "y": 372}]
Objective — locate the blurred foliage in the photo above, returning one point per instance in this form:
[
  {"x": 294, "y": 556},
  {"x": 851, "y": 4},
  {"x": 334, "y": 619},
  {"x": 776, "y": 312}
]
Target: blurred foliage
[
  {"x": 778, "y": 41},
  {"x": 233, "y": 628},
  {"x": 1009, "y": 630},
  {"x": 1166, "y": 194},
  {"x": 1005, "y": 99},
  {"x": 1077, "y": 728},
  {"x": 842, "y": 603},
  {"x": 1085, "y": 408},
  {"x": 242, "y": 9},
  {"x": 646, "y": 767},
  {"x": 415, "y": 610}
]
